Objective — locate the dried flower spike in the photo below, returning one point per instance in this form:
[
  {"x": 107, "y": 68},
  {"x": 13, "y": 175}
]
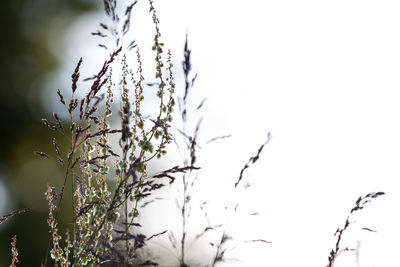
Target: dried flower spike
[{"x": 14, "y": 252}]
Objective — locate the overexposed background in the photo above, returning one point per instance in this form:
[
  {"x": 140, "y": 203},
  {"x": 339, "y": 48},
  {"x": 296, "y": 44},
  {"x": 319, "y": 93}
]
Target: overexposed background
[{"x": 323, "y": 78}]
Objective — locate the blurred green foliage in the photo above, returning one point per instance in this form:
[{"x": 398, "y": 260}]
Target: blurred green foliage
[{"x": 25, "y": 58}]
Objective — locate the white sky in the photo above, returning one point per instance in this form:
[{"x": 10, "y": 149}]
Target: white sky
[{"x": 323, "y": 78}]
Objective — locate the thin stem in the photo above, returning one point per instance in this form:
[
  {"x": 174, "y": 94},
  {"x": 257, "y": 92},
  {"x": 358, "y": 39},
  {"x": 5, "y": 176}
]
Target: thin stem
[{"x": 183, "y": 213}]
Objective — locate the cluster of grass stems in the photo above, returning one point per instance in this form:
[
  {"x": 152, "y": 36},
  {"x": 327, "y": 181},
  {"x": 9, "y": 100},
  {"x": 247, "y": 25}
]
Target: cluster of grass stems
[{"x": 105, "y": 228}]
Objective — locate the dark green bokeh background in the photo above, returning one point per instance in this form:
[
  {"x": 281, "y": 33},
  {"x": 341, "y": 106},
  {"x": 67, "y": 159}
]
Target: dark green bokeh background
[{"x": 25, "y": 58}]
